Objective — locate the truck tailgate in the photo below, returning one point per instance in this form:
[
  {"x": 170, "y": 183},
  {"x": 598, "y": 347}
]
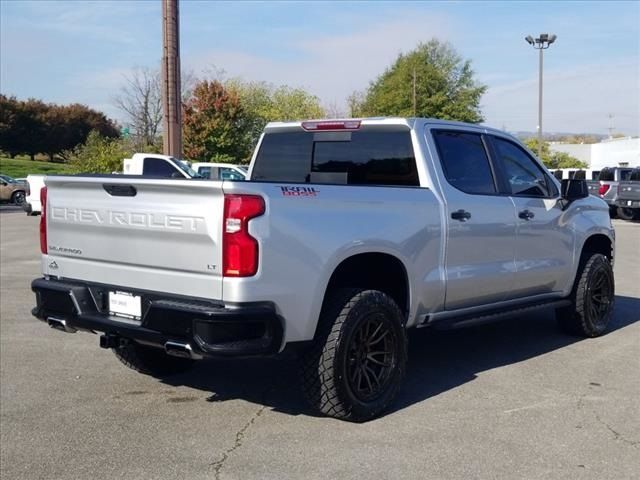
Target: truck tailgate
[
  {"x": 629, "y": 190},
  {"x": 148, "y": 234}
]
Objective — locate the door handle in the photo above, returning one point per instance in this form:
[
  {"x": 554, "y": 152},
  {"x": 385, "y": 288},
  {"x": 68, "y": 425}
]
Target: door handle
[
  {"x": 461, "y": 215},
  {"x": 526, "y": 214}
]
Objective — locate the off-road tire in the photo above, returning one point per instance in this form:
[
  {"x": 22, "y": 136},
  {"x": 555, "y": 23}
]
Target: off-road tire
[
  {"x": 625, "y": 213},
  {"x": 329, "y": 366},
  {"x": 151, "y": 361},
  {"x": 582, "y": 318}
]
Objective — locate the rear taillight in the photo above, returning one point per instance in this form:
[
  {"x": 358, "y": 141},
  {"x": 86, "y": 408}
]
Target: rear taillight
[
  {"x": 43, "y": 220},
  {"x": 604, "y": 188},
  {"x": 239, "y": 249}
]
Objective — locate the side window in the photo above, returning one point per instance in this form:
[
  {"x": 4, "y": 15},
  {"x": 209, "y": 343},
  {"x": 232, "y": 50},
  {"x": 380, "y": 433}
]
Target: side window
[
  {"x": 580, "y": 175},
  {"x": 522, "y": 173},
  {"x": 157, "y": 167},
  {"x": 558, "y": 174},
  {"x": 230, "y": 174},
  {"x": 465, "y": 161},
  {"x": 208, "y": 172}
]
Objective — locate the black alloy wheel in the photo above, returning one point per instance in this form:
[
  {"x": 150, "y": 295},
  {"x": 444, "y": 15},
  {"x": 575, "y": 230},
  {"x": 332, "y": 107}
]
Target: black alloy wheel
[
  {"x": 599, "y": 299},
  {"x": 372, "y": 358}
]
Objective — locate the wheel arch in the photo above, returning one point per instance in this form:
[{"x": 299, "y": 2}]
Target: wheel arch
[
  {"x": 372, "y": 270},
  {"x": 598, "y": 243}
]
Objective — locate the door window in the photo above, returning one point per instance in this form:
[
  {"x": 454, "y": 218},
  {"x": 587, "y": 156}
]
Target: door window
[
  {"x": 465, "y": 161},
  {"x": 230, "y": 174},
  {"x": 208, "y": 172},
  {"x": 523, "y": 174}
]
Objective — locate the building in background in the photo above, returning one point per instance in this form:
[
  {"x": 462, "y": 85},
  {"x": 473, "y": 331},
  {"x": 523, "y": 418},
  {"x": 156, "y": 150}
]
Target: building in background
[{"x": 617, "y": 152}]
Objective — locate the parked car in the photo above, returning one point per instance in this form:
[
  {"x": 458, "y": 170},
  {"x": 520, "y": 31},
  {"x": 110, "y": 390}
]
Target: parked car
[
  {"x": 11, "y": 190},
  {"x": 628, "y": 199},
  {"x": 220, "y": 171},
  {"x": 34, "y": 184},
  {"x": 606, "y": 185},
  {"x": 346, "y": 234}
]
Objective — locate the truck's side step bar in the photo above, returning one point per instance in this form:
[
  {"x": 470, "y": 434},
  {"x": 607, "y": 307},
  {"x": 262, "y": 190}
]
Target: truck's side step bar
[{"x": 449, "y": 320}]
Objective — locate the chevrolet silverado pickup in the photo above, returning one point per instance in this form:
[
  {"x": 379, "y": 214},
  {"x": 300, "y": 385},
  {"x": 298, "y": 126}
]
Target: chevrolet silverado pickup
[
  {"x": 606, "y": 186},
  {"x": 628, "y": 199},
  {"x": 345, "y": 235}
]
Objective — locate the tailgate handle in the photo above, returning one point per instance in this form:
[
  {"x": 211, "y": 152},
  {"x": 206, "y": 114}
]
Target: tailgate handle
[{"x": 120, "y": 190}]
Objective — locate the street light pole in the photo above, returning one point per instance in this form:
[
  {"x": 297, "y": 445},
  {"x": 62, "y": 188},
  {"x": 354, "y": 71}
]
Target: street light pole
[{"x": 541, "y": 43}]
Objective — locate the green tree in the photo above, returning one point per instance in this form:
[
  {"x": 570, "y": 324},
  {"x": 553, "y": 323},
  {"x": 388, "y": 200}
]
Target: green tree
[
  {"x": 99, "y": 154},
  {"x": 69, "y": 126},
  {"x": 554, "y": 159},
  {"x": 22, "y": 126},
  {"x": 214, "y": 124},
  {"x": 263, "y": 103},
  {"x": 431, "y": 81}
]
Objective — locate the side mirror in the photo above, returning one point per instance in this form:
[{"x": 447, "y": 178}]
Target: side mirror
[{"x": 573, "y": 189}]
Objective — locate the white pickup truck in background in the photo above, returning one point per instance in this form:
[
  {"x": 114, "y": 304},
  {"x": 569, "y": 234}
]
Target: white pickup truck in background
[
  {"x": 32, "y": 204},
  {"x": 147, "y": 164},
  {"x": 156, "y": 165},
  {"x": 346, "y": 234}
]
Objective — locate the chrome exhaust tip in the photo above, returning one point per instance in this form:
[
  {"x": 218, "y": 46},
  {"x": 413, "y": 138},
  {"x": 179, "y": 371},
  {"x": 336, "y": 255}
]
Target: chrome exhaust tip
[
  {"x": 60, "y": 324},
  {"x": 182, "y": 350}
]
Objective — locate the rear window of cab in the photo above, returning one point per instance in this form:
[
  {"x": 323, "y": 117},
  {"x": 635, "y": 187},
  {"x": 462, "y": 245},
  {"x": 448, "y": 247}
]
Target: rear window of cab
[{"x": 382, "y": 157}]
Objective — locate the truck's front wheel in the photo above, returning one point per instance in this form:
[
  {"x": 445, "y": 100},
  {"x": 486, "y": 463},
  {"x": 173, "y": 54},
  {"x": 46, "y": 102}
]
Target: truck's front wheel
[
  {"x": 592, "y": 298},
  {"x": 355, "y": 368},
  {"x": 151, "y": 361}
]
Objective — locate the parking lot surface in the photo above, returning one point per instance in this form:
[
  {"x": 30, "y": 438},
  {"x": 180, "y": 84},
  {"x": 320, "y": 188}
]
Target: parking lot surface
[{"x": 511, "y": 400}]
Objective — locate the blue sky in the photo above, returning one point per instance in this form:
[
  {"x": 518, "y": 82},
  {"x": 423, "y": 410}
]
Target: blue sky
[{"x": 79, "y": 51}]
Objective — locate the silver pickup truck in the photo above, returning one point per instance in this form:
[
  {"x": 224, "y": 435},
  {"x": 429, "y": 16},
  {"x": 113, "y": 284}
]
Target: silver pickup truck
[
  {"x": 346, "y": 234},
  {"x": 606, "y": 187},
  {"x": 628, "y": 199}
]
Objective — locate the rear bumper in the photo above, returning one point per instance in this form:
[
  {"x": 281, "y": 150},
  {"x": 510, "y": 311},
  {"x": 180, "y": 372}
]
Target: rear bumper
[
  {"x": 208, "y": 328},
  {"x": 628, "y": 203}
]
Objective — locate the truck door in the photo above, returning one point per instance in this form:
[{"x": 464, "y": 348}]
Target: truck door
[
  {"x": 544, "y": 247},
  {"x": 481, "y": 223}
]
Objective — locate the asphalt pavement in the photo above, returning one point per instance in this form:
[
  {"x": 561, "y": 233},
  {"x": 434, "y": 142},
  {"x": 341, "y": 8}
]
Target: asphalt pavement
[{"x": 514, "y": 400}]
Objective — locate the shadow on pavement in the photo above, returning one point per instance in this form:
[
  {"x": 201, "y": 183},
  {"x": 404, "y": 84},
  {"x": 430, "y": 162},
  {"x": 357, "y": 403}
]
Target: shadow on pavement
[{"x": 438, "y": 361}]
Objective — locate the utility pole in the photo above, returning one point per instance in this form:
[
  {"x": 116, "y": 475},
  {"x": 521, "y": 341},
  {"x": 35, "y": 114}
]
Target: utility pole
[
  {"x": 541, "y": 43},
  {"x": 171, "y": 101},
  {"x": 611, "y": 127}
]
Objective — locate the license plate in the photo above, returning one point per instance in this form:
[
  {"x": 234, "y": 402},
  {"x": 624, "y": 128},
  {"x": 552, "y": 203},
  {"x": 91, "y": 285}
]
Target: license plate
[
  {"x": 125, "y": 304},
  {"x": 629, "y": 202}
]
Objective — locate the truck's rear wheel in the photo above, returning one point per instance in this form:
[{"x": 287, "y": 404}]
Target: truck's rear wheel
[
  {"x": 151, "y": 361},
  {"x": 355, "y": 368},
  {"x": 625, "y": 213},
  {"x": 592, "y": 298}
]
